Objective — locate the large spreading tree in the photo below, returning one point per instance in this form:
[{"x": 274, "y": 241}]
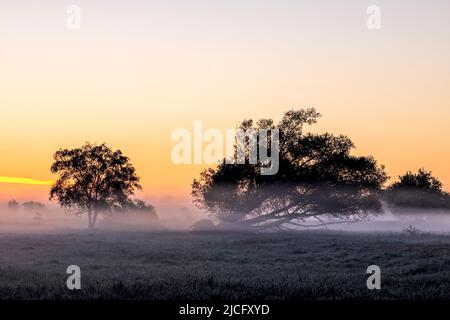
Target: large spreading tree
[
  {"x": 93, "y": 180},
  {"x": 318, "y": 178}
]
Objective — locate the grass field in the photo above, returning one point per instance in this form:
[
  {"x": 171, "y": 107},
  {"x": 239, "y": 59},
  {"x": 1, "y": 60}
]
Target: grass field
[{"x": 165, "y": 265}]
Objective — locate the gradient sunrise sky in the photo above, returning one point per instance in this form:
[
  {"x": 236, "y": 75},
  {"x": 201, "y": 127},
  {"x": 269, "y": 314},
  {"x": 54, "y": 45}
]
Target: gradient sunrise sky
[{"x": 137, "y": 70}]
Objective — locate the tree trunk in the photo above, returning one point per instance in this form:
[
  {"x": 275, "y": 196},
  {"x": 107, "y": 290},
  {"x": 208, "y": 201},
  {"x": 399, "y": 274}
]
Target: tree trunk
[
  {"x": 90, "y": 218},
  {"x": 94, "y": 219}
]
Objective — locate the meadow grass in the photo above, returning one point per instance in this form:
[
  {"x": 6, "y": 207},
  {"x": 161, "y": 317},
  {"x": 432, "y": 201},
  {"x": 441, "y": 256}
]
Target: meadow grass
[{"x": 204, "y": 266}]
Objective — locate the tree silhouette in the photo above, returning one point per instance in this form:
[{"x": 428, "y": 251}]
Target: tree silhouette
[
  {"x": 140, "y": 207},
  {"x": 419, "y": 190},
  {"x": 33, "y": 205},
  {"x": 13, "y": 205},
  {"x": 317, "y": 178},
  {"x": 93, "y": 179}
]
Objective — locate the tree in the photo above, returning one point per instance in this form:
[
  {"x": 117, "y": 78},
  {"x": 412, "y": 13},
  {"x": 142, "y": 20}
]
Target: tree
[
  {"x": 13, "y": 205},
  {"x": 33, "y": 205},
  {"x": 139, "y": 207},
  {"x": 93, "y": 179},
  {"x": 142, "y": 207},
  {"x": 419, "y": 190},
  {"x": 317, "y": 178}
]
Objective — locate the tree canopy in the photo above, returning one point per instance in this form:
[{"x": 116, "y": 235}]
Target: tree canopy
[
  {"x": 13, "y": 205},
  {"x": 419, "y": 190},
  {"x": 93, "y": 179},
  {"x": 33, "y": 206},
  {"x": 317, "y": 178}
]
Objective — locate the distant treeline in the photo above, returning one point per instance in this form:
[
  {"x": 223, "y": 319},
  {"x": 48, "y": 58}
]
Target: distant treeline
[{"x": 28, "y": 205}]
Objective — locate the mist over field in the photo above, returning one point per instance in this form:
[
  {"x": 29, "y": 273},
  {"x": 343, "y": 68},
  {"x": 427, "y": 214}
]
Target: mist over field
[
  {"x": 134, "y": 256},
  {"x": 56, "y": 219},
  {"x": 176, "y": 217}
]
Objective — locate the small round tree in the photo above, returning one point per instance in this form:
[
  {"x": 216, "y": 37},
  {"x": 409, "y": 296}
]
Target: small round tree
[
  {"x": 92, "y": 180},
  {"x": 419, "y": 192}
]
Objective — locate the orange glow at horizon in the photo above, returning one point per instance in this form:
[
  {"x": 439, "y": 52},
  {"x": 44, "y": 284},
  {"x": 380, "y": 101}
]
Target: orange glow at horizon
[
  {"x": 17, "y": 180},
  {"x": 131, "y": 77}
]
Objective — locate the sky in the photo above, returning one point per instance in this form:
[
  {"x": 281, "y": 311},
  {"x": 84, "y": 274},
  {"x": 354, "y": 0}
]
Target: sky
[{"x": 136, "y": 71}]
